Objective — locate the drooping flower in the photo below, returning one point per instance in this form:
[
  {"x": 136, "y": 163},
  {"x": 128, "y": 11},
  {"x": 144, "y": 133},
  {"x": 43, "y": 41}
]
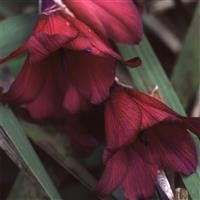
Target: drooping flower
[
  {"x": 57, "y": 30},
  {"x": 128, "y": 112},
  {"x": 61, "y": 40},
  {"x": 118, "y": 20},
  {"x": 144, "y": 136},
  {"x": 135, "y": 166},
  {"x": 66, "y": 79},
  {"x": 87, "y": 26}
]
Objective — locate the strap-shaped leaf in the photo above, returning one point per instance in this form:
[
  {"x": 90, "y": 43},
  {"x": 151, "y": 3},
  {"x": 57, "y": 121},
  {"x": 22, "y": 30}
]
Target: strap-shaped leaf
[
  {"x": 14, "y": 31},
  {"x": 186, "y": 73},
  {"x": 15, "y": 133}
]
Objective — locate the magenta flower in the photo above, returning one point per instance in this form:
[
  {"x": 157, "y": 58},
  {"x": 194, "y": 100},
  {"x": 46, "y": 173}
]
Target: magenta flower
[
  {"x": 118, "y": 20},
  {"x": 144, "y": 136},
  {"x": 66, "y": 80},
  {"x": 62, "y": 61},
  {"x": 129, "y": 112}
]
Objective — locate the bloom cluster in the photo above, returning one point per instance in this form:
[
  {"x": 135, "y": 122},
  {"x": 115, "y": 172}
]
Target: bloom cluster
[{"x": 69, "y": 76}]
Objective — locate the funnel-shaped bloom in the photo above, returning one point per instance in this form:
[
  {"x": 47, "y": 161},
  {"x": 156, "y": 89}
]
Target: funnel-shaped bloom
[
  {"x": 57, "y": 30},
  {"x": 135, "y": 167},
  {"x": 129, "y": 112},
  {"x": 66, "y": 79},
  {"x": 144, "y": 136},
  {"x": 118, "y": 20}
]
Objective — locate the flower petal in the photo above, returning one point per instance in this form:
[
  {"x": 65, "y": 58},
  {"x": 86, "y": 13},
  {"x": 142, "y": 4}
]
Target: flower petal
[
  {"x": 48, "y": 103},
  {"x": 114, "y": 173},
  {"x": 89, "y": 41},
  {"x": 52, "y": 32},
  {"x": 73, "y": 101},
  {"x": 92, "y": 75},
  {"x": 153, "y": 110},
  {"x": 122, "y": 14},
  {"x": 140, "y": 179},
  {"x": 175, "y": 148},
  {"x": 122, "y": 119},
  {"x": 27, "y": 84}
]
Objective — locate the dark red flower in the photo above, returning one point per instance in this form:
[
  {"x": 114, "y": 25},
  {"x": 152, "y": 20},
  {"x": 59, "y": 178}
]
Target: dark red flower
[
  {"x": 144, "y": 136},
  {"x": 82, "y": 26},
  {"x": 57, "y": 30},
  {"x": 118, "y": 20},
  {"x": 135, "y": 167},
  {"x": 66, "y": 79},
  {"x": 128, "y": 112},
  {"x": 63, "y": 41}
]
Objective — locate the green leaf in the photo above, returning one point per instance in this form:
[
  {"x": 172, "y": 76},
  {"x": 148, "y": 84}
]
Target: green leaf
[
  {"x": 11, "y": 127},
  {"x": 186, "y": 73},
  {"x": 145, "y": 78},
  {"x": 56, "y": 145},
  {"x": 14, "y": 31}
]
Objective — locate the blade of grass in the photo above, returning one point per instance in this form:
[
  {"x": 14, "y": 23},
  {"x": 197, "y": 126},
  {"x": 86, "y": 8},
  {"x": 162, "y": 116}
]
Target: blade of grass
[
  {"x": 15, "y": 133},
  {"x": 14, "y": 31},
  {"x": 145, "y": 78},
  {"x": 186, "y": 73},
  {"x": 55, "y": 145}
]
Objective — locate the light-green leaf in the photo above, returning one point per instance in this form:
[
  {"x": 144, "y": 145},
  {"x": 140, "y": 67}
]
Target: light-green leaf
[
  {"x": 186, "y": 73},
  {"x": 14, "y": 31}
]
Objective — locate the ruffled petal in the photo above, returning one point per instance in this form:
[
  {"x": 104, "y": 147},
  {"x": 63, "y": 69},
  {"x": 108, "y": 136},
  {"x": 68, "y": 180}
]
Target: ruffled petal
[
  {"x": 114, "y": 173},
  {"x": 92, "y": 75},
  {"x": 118, "y": 20},
  {"x": 122, "y": 119}
]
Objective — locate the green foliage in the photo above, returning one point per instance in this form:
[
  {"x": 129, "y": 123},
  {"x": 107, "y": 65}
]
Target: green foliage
[
  {"x": 14, "y": 31},
  {"x": 186, "y": 74},
  {"x": 15, "y": 133}
]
